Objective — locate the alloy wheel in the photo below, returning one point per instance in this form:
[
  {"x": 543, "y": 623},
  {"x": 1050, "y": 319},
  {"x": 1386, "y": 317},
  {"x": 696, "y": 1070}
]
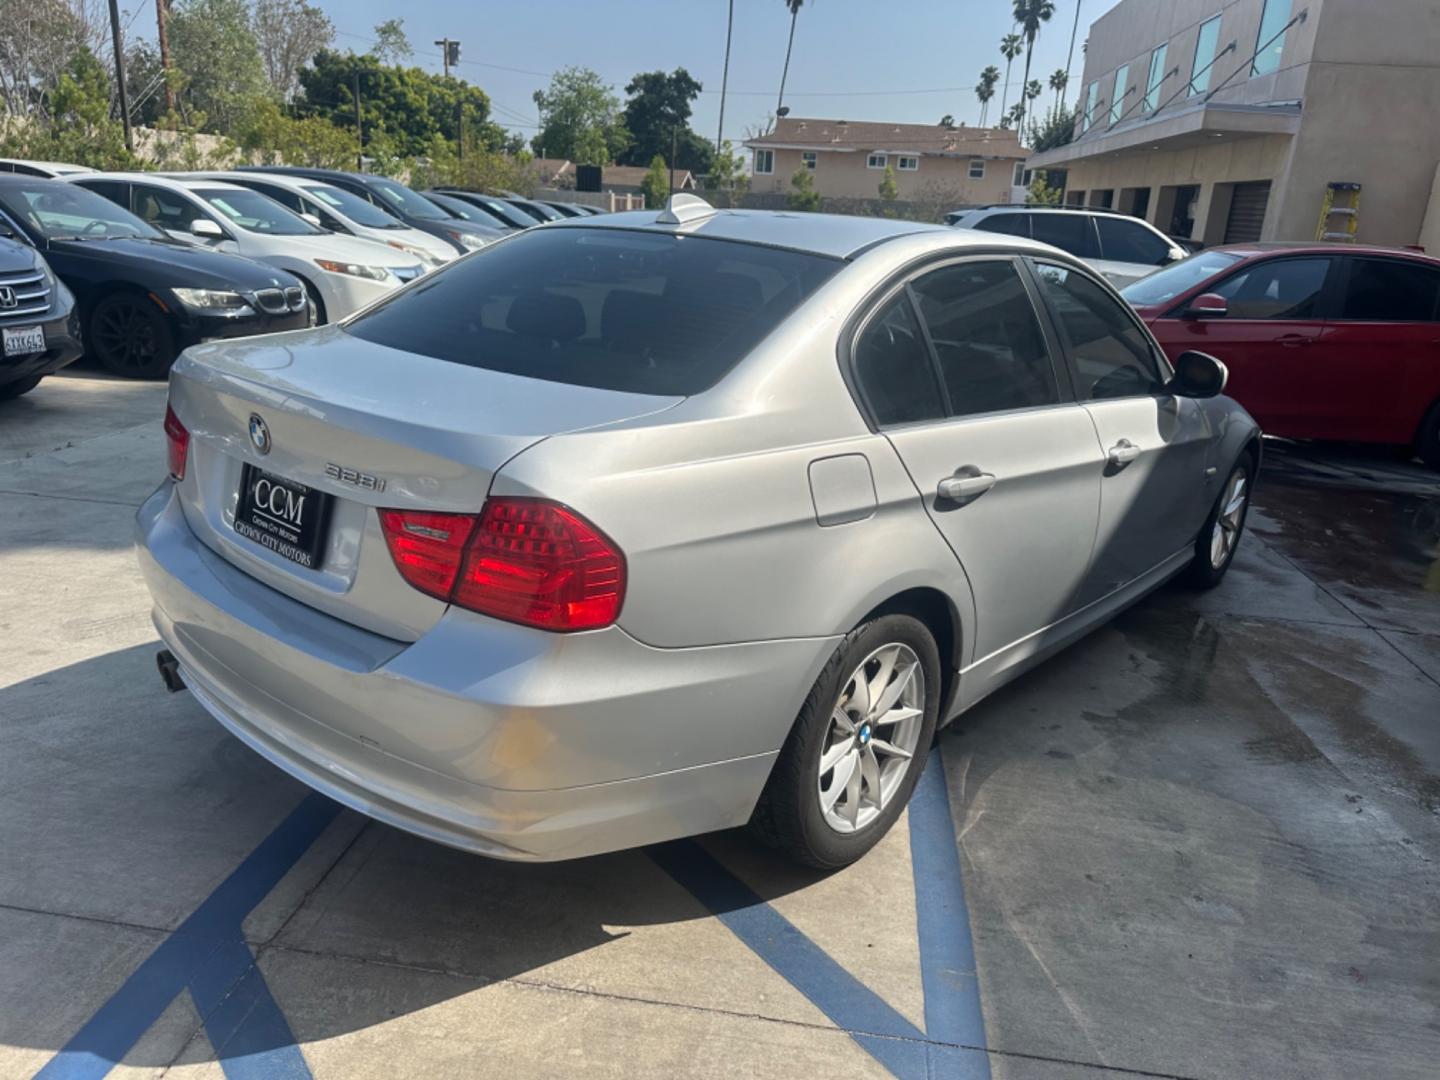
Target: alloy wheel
[
  {"x": 1228, "y": 521},
  {"x": 126, "y": 337},
  {"x": 874, "y": 728}
]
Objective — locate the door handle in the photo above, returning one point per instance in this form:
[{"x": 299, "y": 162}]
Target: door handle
[
  {"x": 1122, "y": 453},
  {"x": 967, "y": 485},
  {"x": 1291, "y": 341}
]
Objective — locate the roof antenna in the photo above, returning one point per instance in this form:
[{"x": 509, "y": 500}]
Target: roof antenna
[{"x": 683, "y": 208}]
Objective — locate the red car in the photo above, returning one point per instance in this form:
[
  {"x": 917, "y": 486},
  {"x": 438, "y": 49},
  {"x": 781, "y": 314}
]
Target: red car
[{"x": 1322, "y": 342}]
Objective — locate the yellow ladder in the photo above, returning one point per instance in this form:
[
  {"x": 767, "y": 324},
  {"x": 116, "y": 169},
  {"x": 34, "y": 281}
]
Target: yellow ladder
[{"x": 1342, "y": 200}]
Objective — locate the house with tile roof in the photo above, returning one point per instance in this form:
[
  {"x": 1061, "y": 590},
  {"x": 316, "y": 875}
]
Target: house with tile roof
[{"x": 848, "y": 158}]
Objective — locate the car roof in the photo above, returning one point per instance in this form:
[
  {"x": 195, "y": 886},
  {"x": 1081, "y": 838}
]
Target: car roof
[
  {"x": 211, "y": 176},
  {"x": 53, "y": 166},
  {"x": 1258, "y": 249},
  {"x": 170, "y": 180},
  {"x": 834, "y": 235},
  {"x": 328, "y": 175}
]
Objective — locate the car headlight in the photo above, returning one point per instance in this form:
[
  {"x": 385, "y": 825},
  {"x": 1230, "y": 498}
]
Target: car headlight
[
  {"x": 427, "y": 259},
  {"x": 370, "y": 273},
  {"x": 468, "y": 241},
  {"x": 214, "y": 302}
]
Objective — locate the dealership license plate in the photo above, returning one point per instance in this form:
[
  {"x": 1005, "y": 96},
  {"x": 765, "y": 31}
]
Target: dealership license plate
[
  {"x": 282, "y": 515},
  {"x": 24, "y": 340}
]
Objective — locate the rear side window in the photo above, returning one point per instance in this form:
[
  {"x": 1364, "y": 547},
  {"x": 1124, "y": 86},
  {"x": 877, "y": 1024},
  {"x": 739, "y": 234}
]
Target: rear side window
[
  {"x": 164, "y": 209},
  {"x": 1384, "y": 290},
  {"x": 1109, "y": 353},
  {"x": 1125, "y": 241},
  {"x": 894, "y": 370},
  {"x": 1068, "y": 232},
  {"x": 1010, "y": 224},
  {"x": 1276, "y": 289},
  {"x": 991, "y": 350},
  {"x": 609, "y": 308}
]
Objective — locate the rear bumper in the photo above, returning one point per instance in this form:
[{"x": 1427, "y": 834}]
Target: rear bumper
[{"x": 484, "y": 736}]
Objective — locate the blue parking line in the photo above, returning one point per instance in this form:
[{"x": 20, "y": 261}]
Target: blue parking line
[
  {"x": 207, "y": 955},
  {"x": 947, "y": 953}
]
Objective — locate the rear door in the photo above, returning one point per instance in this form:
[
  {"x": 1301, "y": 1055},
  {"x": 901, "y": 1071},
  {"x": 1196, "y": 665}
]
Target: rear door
[
  {"x": 1376, "y": 367},
  {"x": 1154, "y": 493},
  {"x": 957, "y": 371},
  {"x": 1267, "y": 339}
]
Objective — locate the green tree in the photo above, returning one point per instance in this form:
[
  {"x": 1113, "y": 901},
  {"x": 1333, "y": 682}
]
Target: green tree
[
  {"x": 1059, "y": 79},
  {"x": 1040, "y": 193},
  {"x": 1029, "y": 14},
  {"x": 985, "y": 90},
  {"x": 39, "y": 39},
  {"x": 794, "y": 7},
  {"x": 727, "y": 179},
  {"x": 269, "y": 137},
  {"x": 658, "y": 111},
  {"x": 579, "y": 119},
  {"x": 391, "y": 45},
  {"x": 947, "y": 121},
  {"x": 802, "y": 195},
  {"x": 1011, "y": 46},
  {"x": 656, "y": 184},
  {"x": 76, "y": 126},
  {"x": 212, "y": 44},
  {"x": 1057, "y": 129},
  {"x": 889, "y": 189},
  {"x": 289, "y": 33}
]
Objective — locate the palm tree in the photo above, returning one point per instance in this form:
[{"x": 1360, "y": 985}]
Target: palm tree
[
  {"x": 1074, "y": 29},
  {"x": 725, "y": 76},
  {"x": 985, "y": 90},
  {"x": 1029, "y": 14},
  {"x": 947, "y": 121},
  {"x": 1058, "y": 82},
  {"x": 794, "y": 6},
  {"x": 1011, "y": 45}
]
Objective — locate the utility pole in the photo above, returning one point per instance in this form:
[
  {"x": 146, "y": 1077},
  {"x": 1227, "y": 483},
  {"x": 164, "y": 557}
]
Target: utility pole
[
  {"x": 162, "y": 15},
  {"x": 674, "y": 132},
  {"x": 449, "y": 53},
  {"x": 725, "y": 78},
  {"x": 359, "y": 125},
  {"x": 120, "y": 75}
]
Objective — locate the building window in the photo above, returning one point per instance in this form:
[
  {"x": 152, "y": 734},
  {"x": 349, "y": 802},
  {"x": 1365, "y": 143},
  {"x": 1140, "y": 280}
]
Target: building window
[
  {"x": 1204, "y": 56},
  {"x": 908, "y": 164},
  {"x": 1092, "y": 102},
  {"x": 807, "y": 158},
  {"x": 977, "y": 168},
  {"x": 1075, "y": 198},
  {"x": 875, "y": 161},
  {"x": 1272, "y": 23},
  {"x": 1018, "y": 178},
  {"x": 1117, "y": 99},
  {"x": 1157, "y": 76},
  {"x": 764, "y": 162}
]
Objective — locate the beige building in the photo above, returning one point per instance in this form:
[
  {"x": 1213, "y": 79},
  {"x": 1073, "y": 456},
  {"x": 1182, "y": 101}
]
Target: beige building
[
  {"x": 1225, "y": 120},
  {"x": 974, "y": 166}
]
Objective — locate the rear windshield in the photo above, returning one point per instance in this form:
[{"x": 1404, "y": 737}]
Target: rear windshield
[{"x": 609, "y": 308}]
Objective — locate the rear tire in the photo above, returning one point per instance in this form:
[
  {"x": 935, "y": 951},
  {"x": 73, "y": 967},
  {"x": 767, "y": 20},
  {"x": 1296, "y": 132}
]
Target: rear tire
[
  {"x": 1219, "y": 537},
  {"x": 1427, "y": 442},
  {"x": 857, "y": 748},
  {"x": 11, "y": 390},
  {"x": 130, "y": 336}
]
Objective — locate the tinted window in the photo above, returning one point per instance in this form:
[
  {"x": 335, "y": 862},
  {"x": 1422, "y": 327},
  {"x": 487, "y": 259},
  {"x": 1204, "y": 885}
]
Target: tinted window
[
  {"x": 1382, "y": 290},
  {"x": 113, "y": 190},
  {"x": 1125, "y": 241},
  {"x": 284, "y": 196},
  {"x": 1110, "y": 354},
  {"x": 57, "y": 211},
  {"x": 650, "y": 314},
  {"x": 406, "y": 201},
  {"x": 256, "y": 213},
  {"x": 164, "y": 209},
  {"x": 1277, "y": 289},
  {"x": 1011, "y": 224},
  {"x": 988, "y": 340},
  {"x": 894, "y": 370},
  {"x": 1164, "y": 285},
  {"x": 1068, "y": 232},
  {"x": 353, "y": 207}
]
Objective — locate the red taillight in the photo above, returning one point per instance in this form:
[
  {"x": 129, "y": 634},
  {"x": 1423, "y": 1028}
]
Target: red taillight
[
  {"x": 177, "y": 444},
  {"x": 525, "y": 560}
]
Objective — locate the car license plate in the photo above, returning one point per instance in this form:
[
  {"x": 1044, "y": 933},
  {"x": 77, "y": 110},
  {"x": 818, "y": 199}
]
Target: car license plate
[
  {"x": 24, "y": 340},
  {"x": 282, "y": 515}
]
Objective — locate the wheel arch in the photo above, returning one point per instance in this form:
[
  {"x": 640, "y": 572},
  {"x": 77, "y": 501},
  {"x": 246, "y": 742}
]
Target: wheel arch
[
  {"x": 312, "y": 292},
  {"x": 941, "y": 617}
]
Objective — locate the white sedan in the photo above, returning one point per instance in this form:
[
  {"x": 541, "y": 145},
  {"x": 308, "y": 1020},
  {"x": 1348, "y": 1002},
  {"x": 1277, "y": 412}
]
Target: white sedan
[{"x": 342, "y": 274}]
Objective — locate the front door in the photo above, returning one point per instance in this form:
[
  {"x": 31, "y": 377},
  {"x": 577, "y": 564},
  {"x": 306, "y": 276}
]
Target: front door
[
  {"x": 1153, "y": 493},
  {"x": 957, "y": 373}
]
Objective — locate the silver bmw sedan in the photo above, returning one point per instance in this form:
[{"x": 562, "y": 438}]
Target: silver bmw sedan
[{"x": 639, "y": 526}]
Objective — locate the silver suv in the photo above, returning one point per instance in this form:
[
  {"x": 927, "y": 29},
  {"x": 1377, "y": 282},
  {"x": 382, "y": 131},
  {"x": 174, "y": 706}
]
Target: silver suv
[{"x": 1121, "y": 247}]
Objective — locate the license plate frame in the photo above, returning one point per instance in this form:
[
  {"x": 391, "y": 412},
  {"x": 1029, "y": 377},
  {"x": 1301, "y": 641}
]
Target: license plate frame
[
  {"x": 283, "y": 515},
  {"x": 23, "y": 340}
]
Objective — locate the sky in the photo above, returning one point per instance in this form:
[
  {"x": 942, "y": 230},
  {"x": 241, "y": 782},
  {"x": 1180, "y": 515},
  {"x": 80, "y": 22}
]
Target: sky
[{"x": 901, "y": 60}]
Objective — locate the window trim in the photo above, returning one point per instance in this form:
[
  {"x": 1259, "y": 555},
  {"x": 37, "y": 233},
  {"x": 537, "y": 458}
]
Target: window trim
[
  {"x": 970, "y": 169},
  {"x": 1209, "y": 66},
  {"x": 1255, "y": 72},
  {"x": 1153, "y": 80},
  {"x": 1157, "y": 352},
  {"x": 1331, "y": 291},
  {"x": 879, "y": 299},
  {"x": 755, "y": 165},
  {"x": 1092, "y": 102},
  {"x": 1119, "y": 89},
  {"x": 900, "y": 165},
  {"x": 1335, "y": 313},
  {"x": 870, "y": 160},
  {"x": 809, "y": 159}
]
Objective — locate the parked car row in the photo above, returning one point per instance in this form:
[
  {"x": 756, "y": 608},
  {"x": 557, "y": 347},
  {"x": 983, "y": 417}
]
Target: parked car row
[{"x": 139, "y": 266}]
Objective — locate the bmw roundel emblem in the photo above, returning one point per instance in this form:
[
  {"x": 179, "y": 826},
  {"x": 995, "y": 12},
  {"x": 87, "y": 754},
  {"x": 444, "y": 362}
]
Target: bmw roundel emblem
[{"x": 259, "y": 433}]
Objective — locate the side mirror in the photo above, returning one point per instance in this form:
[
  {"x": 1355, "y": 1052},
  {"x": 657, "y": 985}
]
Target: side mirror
[
  {"x": 1208, "y": 306},
  {"x": 313, "y": 219},
  {"x": 1198, "y": 375},
  {"x": 1177, "y": 254},
  {"x": 206, "y": 229}
]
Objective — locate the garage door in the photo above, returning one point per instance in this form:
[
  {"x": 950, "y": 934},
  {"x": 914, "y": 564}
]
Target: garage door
[{"x": 1247, "y": 212}]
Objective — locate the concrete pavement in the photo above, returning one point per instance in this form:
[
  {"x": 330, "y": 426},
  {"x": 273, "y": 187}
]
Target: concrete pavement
[{"x": 1201, "y": 843}]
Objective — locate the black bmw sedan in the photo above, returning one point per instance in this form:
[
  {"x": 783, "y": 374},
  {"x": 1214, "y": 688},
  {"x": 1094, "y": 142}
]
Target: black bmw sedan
[
  {"x": 39, "y": 329},
  {"x": 143, "y": 297}
]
